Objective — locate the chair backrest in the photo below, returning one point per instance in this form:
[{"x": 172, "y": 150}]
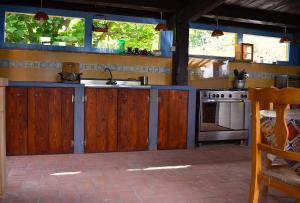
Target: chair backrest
[{"x": 280, "y": 99}]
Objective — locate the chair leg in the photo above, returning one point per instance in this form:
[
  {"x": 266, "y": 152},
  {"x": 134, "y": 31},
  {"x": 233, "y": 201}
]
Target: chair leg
[
  {"x": 255, "y": 188},
  {"x": 265, "y": 189}
]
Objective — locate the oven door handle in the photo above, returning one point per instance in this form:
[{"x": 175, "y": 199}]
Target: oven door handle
[{"x": 223, "y": 100}]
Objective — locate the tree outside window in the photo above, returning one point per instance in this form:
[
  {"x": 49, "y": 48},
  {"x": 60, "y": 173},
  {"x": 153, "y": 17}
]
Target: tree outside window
[
  {"x": 267, "y": 49},
  {"x": 202, "y": 43},
  {"x": 21, "y": 28},
  {"x": 136, "y": 35}
]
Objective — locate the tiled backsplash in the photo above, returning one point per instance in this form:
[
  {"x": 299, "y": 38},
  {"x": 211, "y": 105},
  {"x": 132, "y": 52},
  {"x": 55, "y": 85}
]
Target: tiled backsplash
[
  {"x": 203, "y": 74},
  {"x": 94, "y": 67},
  {"x": 34, "y": 65}
]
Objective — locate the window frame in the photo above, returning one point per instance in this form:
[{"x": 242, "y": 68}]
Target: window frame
[
  {"x": 214, "y": 57},
  {"x": 124, "y": 19},
  {"x": 28, "y": 45},
  {"x": 239, "y": 32},
  {"x": 287, "y": 45},
  {"x": 88, "y": 19}
]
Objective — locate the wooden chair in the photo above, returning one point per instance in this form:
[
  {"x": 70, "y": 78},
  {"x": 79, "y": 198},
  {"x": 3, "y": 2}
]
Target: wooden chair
[{"x": 281, "y": 178}]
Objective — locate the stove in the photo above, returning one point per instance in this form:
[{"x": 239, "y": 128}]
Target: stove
[{"x": 224, "y": 114}]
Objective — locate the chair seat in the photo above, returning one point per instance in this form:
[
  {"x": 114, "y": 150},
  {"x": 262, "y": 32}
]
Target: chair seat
[{"x": 285, "y": 175}]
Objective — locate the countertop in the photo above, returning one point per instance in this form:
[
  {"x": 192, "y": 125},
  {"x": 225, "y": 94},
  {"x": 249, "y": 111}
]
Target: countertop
[{"x": 77, "y": 85}]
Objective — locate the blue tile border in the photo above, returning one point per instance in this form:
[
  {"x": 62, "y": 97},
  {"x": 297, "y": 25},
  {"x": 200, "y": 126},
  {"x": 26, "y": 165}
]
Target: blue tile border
[
  {"x": 5, "y": 63},
  {"x": 126, "y": 68},
  {"x": 261, "y": 75}
]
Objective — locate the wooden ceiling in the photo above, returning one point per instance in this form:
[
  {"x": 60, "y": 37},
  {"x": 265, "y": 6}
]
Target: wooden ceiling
[
  {"x": 284, "y": 6},
  {"x": 258, "y": 14}
]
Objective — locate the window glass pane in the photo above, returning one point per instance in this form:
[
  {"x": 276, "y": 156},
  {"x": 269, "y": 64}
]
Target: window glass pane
[
  {"x": 202, "y": 43},
  {"x": 135, "y": 35},
  {"x": 267, "y": 49},
  {"x": 57, "y": 30}
]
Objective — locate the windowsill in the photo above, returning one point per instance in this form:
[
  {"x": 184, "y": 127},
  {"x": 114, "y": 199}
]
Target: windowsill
[
  {"x": 232, "y": 59},
  {"x": 279, "y": 63},
  {"x": 70, "y": 50},
  {"x": 212, "y": 57}
]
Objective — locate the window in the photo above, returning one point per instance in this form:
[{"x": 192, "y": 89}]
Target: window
[
  {"x": 201, "y": 43},
  {"x": 21, "y": 28},
  {"x": 134, "y": 35},
  {"x": 267, "y": 49}
]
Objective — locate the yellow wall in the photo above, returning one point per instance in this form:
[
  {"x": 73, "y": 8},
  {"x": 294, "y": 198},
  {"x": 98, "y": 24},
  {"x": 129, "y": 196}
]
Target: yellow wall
[
  {"x": 50, "y": 75},
  {"x": 259, "y": 70}
]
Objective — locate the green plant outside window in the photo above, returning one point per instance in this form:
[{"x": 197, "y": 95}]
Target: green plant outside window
[
  {"x": 136, "y": 35},
  {"x": 21, "y": 28},
  {"x": 202, "y": 43}
]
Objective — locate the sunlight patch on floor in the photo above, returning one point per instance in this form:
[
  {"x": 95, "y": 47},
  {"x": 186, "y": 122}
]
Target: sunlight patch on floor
[{"x": 159, "y": 168}]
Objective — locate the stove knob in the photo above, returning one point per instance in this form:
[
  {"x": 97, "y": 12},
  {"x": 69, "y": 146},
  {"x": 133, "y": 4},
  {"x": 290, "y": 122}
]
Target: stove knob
[
  {"x": 230, "y": 95},
  {"x": 217, "y": 95},
  {"x": 242, "y": 96},
  {"x": 222, "y": 95},
  {"x": 245, "y": 96},
  {"x": 213, "y": 95}
]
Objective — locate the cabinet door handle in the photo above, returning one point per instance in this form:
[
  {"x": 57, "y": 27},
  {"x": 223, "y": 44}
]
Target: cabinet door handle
[
  {"x": 158, "y": 99},
  {"x": 84, "y": 99},
  {"x": 73, "y": 98},
  {"x": 72, "y": 143},
  {"x": 148, "y": 99},
  {"x": 19, "y": 94}
]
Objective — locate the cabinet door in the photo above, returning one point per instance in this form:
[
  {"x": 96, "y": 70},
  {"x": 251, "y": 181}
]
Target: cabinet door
[
  {"x": 61, "y": 118},
  {"x": 16, "y": 120},
  {"x": 133, "y": 119},
  {"x": 172, "y": 119},
  {"x": 38, "y": 120},
  {"x": 67, "y": 118},
  {"x": 101, "y": 120},
  {"x": 50, "y": 120}
]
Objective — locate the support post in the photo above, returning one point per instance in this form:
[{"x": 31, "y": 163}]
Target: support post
[{"x": 180, "y": 55}]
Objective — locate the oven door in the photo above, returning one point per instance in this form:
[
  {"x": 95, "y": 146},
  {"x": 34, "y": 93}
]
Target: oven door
[{"x": 226, "y": 115}]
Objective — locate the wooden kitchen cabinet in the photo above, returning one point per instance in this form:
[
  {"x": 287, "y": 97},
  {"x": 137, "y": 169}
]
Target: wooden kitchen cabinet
[
  {"x": 101, "y": 120},
  {"x": 133, "y": 119},
  {"x": 172, "y": 119},
  {"x": 16, "y": 121},
  {"x": 116, "y": 119},
  {"x": 50, "y": 120},
  {"x": 39, "y": 120}
]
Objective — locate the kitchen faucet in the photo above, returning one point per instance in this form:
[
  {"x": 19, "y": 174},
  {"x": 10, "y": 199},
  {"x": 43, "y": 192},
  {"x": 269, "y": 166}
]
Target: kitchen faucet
[{"x": 110, "y": 80}]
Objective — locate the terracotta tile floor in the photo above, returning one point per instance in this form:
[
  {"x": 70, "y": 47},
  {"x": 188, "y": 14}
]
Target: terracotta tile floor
[{"x": 208, "y": 174}]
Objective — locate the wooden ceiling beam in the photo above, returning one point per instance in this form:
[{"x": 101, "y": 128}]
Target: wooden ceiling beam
[
  {"x": 255, "y": 16},
  {"x": 195, "y": 9},
  {"x": 152, "y": 6},
  {"x": 89, "y": 8},
  {"x": 262, "y": 27}
]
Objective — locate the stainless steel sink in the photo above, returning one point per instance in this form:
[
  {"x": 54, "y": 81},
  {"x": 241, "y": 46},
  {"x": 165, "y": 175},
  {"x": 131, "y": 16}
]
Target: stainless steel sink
[{"x": 89, "y": 82}]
